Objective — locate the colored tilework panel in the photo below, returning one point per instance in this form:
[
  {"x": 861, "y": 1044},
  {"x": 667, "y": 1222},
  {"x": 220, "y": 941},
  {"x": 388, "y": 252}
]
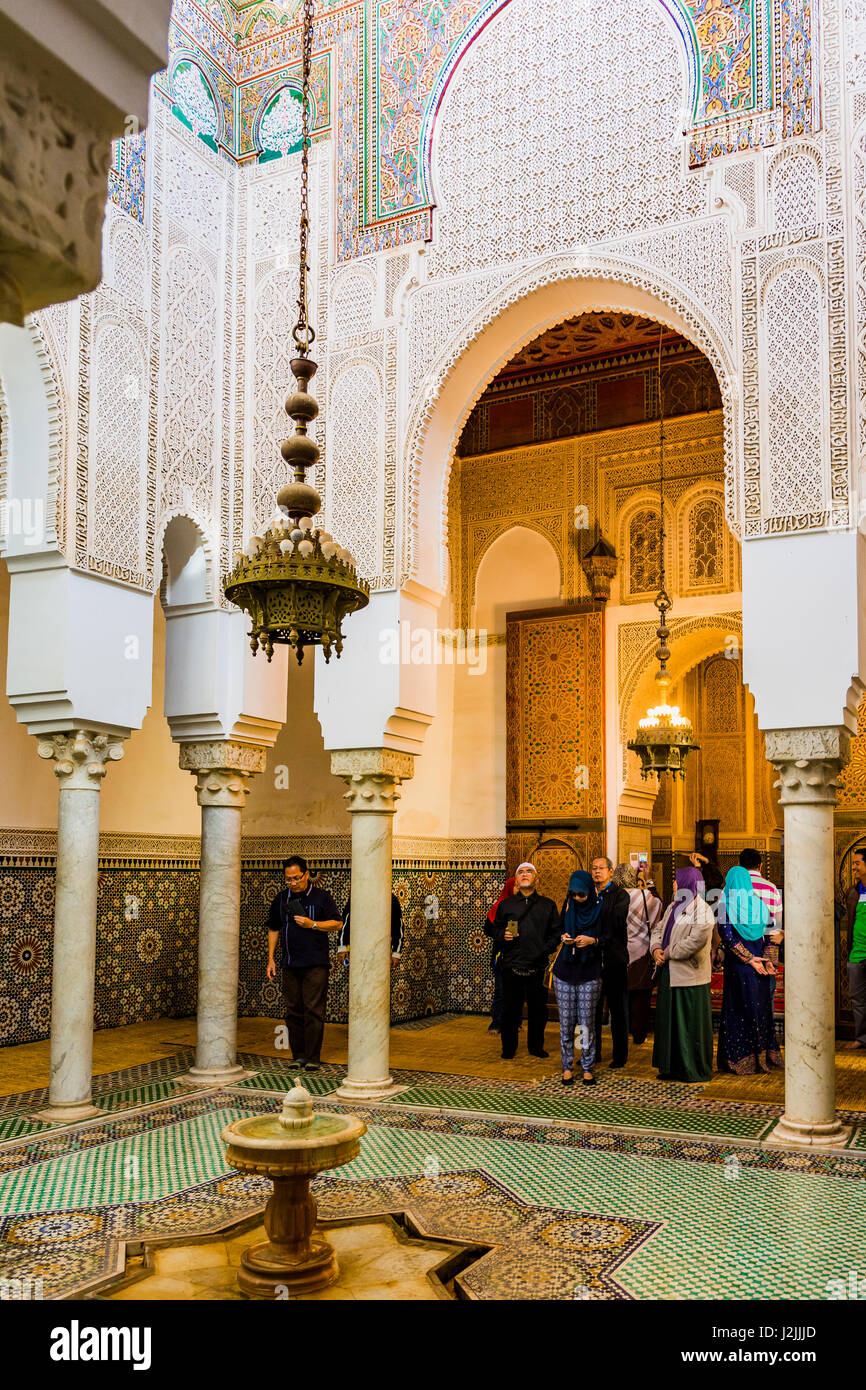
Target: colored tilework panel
[
  {"x": 445, "y": 964},
  {"x": 538, "y": 1252},
  {"x": 799, "y": 85},
  {"x": 126, "y": 176},
  {"x": 682, "y": 1149},
  {"x": 711, "y": 1238},
  {"x": 582, "y": 1111},
  {"x": 413, "y": 45},
  {"x": 160, "y": 1163},
  {"x": 152, "y": 1093},
  {"x": 731, "y": 38},
  {"x": 279, "y": 1082},
  {"x": 147, "y": 945},
  {"x": 567, "y": 1212},
  {"x": 858, "y": 1138},
  {"x": 26, "y": 936},
  {"x": 19, "y": 1126}
]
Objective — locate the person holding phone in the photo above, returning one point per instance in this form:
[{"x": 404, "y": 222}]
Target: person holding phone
[
  {"x": 577, "y": 975},
  {"x": 300, "y": 918},
  {"x": 526, "y": 930}
]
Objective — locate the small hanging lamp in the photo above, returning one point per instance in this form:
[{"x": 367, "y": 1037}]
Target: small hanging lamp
[
  {"x": 296, "y": 582},
  {"x": 664, "y": 737}
]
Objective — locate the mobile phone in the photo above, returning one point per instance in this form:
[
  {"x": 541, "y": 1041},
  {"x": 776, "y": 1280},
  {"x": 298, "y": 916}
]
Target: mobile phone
[{"x": 512, "y": 926}]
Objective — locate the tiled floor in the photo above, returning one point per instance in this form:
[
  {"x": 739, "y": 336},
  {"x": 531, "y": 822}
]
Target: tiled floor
[{"x": 634, "y": 1190}]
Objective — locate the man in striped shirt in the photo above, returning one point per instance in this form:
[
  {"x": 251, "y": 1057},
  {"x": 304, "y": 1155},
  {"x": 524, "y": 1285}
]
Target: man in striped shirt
[{"x": 750, "y": 859}]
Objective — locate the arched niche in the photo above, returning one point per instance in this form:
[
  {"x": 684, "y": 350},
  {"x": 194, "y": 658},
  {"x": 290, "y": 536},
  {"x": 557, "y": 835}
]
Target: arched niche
[
  {"x": 521, "y": 569},
  {"x": 185, "y": 564}
]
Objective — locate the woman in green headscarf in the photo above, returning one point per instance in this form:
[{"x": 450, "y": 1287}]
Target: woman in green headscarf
[{"x": 747, "y": 1032}]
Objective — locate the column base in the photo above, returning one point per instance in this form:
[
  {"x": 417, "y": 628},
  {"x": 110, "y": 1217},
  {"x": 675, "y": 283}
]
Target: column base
[
  {"x": 68, "y": 1114},
  {"x": 214, "y": 1076},
  {"x": 831, "y": 1135},
  {"x": 367, "y": 1090}
]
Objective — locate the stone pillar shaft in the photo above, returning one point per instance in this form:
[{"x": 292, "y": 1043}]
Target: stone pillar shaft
[
  {"x": 808, "y": 761},
  {"x": 373, "y": 777},
  {"x": 79, "y": 759},
  {"x": 219, "y": 926},
  {"x": 222, "y": 773},
  {"x": 74, "y": 959}
]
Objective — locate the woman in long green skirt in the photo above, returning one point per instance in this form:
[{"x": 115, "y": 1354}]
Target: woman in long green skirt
[{"x": 681, "y": 945}]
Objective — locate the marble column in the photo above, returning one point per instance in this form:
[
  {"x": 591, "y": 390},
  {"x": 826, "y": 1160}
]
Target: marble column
[
  {"x": 222, "y": 772},
  {"x": 80, "y": 758},
  {"x": 373, "y": 777},
  {"x": 808, "y": 762}
]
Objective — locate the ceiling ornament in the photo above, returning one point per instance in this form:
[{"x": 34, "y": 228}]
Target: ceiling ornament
[{"x": 296, "y": 582}]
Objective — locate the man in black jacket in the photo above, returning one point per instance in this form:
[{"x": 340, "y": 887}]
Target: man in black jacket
[
  {"x": 613, "y": 933},
  {"x": 526, "y": 930},
  {"x": 300, "y": 918}
]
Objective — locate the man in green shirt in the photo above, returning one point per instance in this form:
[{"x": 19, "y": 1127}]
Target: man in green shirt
[{"x": 856, "y": 904}]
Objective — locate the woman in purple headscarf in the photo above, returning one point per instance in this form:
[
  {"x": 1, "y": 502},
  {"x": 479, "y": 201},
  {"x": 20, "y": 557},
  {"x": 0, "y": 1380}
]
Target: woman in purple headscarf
[{"x": 681, "y": 946}]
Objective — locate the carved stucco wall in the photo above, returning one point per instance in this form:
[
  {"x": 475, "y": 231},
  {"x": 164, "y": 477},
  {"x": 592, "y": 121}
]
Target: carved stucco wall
[
  {"x": 204, "y": 294},
  {"x": 773, "y": 212},
  {"x": 613, "y": 474}
]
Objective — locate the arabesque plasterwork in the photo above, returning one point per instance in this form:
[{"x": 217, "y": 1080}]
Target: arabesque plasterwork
[{"x": 198, "y": 274}]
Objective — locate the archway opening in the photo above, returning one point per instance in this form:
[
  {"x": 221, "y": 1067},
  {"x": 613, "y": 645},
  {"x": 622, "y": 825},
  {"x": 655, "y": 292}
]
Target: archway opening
[{"x": 561, "y": 449}]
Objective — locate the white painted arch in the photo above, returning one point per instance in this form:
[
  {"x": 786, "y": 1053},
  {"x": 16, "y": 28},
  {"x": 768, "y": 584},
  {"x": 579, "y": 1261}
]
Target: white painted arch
[{"x": 536, "y": 300}]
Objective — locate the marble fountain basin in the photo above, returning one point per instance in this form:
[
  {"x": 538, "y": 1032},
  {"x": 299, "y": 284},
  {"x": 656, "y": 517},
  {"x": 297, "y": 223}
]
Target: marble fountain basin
[{"x": 290, "y": 1148}]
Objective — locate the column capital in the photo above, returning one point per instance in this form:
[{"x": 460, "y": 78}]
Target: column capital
[
  {"x": 808, "y": 762},
  {"x": 222, "y": 770},
  {"x": 80, "y": 756},
  {"x": 373, "y": 777}
]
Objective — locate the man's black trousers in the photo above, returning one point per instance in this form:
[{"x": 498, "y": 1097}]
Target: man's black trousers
[
  {"x": 305, "y": 993},
  {"x": 614, "y": 990},
  {"x": 515, "y": 990}
]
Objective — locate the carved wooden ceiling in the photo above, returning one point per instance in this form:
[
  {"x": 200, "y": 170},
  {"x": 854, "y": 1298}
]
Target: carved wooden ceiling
[{"x": 593, "y": 335}]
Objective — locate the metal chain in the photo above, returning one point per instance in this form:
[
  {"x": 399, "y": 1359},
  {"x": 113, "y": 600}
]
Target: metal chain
[
  {"x": 303, "y": 333},
  {"x": 662, "y": 575},
  {"x": 662, "y": 601}
]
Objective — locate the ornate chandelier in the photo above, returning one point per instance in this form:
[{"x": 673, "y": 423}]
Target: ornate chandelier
[
  {"x": 296, "y": 582},
  {"x": 664, "y": 737}
]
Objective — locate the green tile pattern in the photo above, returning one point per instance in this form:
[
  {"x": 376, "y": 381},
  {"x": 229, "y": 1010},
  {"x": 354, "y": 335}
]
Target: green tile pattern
[
  {"x": 576, "y": 1108},
  {"x": 150, "y": 1093},
  {"x": 278, "y": 1082},
  {"x": 142, "y": 1168},
  {"x": 16, "y": 1126},
  {"x": 716, "y": 1238},
  {"x": 692, "y": 1225}
]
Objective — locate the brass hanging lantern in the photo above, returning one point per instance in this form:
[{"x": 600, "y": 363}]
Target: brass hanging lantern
[
  {"x": 664, "y": 737},
  {"x": 296, "y": 582},
  {"x": 600, "y": 564}
]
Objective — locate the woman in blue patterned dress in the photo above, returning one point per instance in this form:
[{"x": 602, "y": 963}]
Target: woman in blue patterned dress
[
  {"x": 747, "y": 1033},
  {"x": 577, "y": 976}
]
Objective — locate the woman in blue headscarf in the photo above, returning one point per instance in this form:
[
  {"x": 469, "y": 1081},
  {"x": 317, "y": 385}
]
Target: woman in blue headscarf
[
  {"x": 577, "y": 975},
  {"x": 747, "y": 1032}
]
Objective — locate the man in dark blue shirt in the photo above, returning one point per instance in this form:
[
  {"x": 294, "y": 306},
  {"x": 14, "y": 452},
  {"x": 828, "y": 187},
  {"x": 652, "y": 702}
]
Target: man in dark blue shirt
[{"x": 300, "y": 918}]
